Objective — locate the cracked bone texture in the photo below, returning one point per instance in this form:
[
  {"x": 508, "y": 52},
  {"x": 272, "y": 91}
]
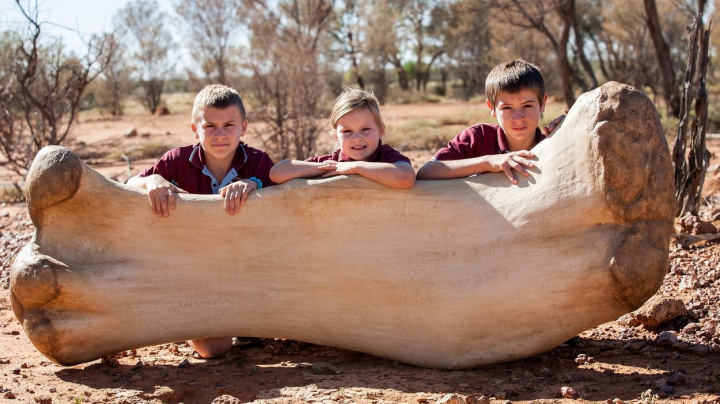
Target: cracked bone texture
[{"x": 449, "y": 274}]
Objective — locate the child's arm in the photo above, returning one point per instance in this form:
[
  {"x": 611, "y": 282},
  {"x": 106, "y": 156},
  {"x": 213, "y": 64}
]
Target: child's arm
[
  {"x": 289, "y": 169},
  {"x": 236, "y": 194},
  {"x": 440, "y": 170},
  {"x": 394, "y": 175},
  {"x": 160, "y": 191}
]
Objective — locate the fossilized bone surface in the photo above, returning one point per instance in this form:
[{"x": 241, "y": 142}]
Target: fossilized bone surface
[{"x": 453, "y": 273}]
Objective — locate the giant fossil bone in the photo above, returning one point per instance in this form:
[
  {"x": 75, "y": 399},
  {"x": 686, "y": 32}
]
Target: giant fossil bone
[{"x": 450, "y": 274}]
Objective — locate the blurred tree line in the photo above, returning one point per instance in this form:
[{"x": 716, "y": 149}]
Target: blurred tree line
[{"x": 290, "y": 58}]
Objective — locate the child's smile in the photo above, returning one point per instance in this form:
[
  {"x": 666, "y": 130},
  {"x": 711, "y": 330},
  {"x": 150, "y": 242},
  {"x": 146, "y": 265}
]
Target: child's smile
[{"x": 358, "y": 134}]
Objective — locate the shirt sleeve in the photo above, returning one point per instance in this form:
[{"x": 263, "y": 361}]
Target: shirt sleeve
[
  {"x": 162, "y": 167},
  {"x": 319, "y": 159},
  {"x": 393, "y": 156},
  {"x": 460, "y": 147}
]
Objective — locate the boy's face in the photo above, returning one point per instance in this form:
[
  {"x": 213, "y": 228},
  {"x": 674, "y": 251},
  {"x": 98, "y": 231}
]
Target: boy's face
[
  {"x": 358, "y": 134},
  {"x": 219, "y": 131},
  {"x": 518, "y": 114}
]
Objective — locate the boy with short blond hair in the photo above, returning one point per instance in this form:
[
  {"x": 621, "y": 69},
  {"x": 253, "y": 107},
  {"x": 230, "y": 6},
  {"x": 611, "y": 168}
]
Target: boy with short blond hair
[
  {"x": 220, "y": 163},
  {"x": 515, "y": 92}
]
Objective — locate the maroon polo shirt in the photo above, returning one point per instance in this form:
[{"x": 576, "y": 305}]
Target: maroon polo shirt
[
  {"x": 383, "y": 154},
  {"x": 183, "y": 166},
  {"x": 479, "y": 140}
]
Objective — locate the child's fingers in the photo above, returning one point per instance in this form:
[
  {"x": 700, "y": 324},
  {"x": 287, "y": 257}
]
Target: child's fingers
[
  {"x": 232, "y": 200},
  {"x": 510, "y": 174}
]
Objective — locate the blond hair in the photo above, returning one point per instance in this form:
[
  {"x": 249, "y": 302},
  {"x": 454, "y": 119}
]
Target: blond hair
[
  {"x": 218, "y": 96},
  {"x": 514, "y": 76},
  {"x": 353, "y": 98}
]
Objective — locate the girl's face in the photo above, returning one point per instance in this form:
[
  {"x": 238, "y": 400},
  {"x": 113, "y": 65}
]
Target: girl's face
[{"x": 358, "y": 134}]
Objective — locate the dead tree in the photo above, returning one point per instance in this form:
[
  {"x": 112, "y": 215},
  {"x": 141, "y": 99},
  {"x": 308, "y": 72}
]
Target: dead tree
[
  {"x": 691, "y": 166},
  {"x": 40, "y": 90}
]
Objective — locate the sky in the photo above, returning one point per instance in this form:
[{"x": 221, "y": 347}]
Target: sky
[{"x": 69, "y": 19}]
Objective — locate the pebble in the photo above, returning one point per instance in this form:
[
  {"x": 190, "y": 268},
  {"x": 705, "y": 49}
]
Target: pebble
[
  {"x": 568, "y": 392},
  {"x": 451, "y": 399},
  {"x": 477, "y": 399},
  {"x": 43, "y": 399},
  {"x": 676, "y": 379},
  {"x": 9, "y": 395},
  {"x": 226, "y": 399},
  {"x": 701, "y": 350},
  {"x": 545, "y": 372},
  {"x": 184, "y": 364},
  {"x": 666, "y": 339}
]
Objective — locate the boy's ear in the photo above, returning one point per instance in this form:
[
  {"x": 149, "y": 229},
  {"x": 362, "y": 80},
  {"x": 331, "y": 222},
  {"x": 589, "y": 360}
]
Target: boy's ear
[
  {"x": 543, "y": 103},
  {"x": 244, "y": 127},
  {"x": 492, "y": 107},
  {"x": 193, "y": 127}
]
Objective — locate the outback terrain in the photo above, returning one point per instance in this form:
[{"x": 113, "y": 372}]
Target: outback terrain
[{"x": 668, "y": 351}]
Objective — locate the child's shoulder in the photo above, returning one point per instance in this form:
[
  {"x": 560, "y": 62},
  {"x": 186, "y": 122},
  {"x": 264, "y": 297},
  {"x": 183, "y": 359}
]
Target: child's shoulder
[{"x": 181, "y": 151}]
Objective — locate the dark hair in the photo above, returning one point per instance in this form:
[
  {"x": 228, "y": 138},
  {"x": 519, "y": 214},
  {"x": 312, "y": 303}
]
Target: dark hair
[{"x": 514, "y": 76}]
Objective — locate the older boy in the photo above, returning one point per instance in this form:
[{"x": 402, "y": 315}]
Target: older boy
[
  {"x": 219, "y": 164},
  {"x": 515, "y": 92}
]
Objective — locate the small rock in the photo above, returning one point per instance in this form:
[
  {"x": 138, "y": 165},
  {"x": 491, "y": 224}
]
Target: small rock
[
  {"x": 9, "y": 395},
  {"x": 680, "y": 346},
  {"x": 226, "y": 399},
  {"x": 659, "y": 310},
  {"x": 666, "y": 339},
  {"x": 43, "y": 399},
  {"x": 16, "y": 371},
  {"x": 635, "y": 346},
  {"x": 618, "y": 401},
  {"x": 545, "y": 372},
  {"x": 422, "y": 400},
  {"x": 184, "y": 364},
  {"x": 583, "y": 359},
  {"x": 676, "y": 379},
  {"x": 137, "y": 365},
  {"x": 691, "y": 328},
  {"x": 567, "y": 392},
  {"x": 450, "y": 399},
  {"x": 660, "y": 383},
  {"x": 477, "y": 399},
  {"x": 130, "y": 132},
  {"x": 701, "y": 350},
  {"x": 500, "y": 395}
]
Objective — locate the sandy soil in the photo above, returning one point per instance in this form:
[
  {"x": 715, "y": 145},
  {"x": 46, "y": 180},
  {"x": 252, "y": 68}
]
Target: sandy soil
[{"x": 616, "y": 361}]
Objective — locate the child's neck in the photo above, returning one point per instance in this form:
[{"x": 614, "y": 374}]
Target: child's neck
[
  {"x": 529, "y": 144},
  {"x": 219, "y": 167}
]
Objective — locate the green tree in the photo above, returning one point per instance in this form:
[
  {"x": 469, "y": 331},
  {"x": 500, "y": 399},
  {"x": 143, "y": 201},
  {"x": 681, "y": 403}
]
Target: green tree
[
  {"x": 212, "y": 26},
  {"x": 144, "y": 29}
]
